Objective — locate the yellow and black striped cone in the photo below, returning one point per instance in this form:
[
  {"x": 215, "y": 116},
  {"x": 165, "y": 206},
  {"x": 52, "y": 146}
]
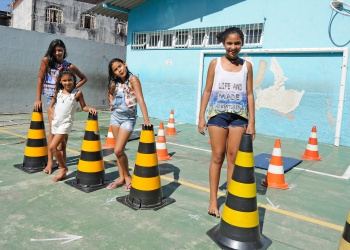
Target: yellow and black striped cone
[
  {"x": 35, "y": 153},
  {"x": 344, "y": 243},
  {"x": 239, "y": 226},
  {"x": 146, "y": 190},
  {"x": 90, "y": 172}
]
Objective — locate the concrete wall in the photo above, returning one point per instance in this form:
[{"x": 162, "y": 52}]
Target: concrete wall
[
  {"x": 105, "y": 29},
  {"x": 293, "y": 91},
  {"x": 21, "y": 53}
]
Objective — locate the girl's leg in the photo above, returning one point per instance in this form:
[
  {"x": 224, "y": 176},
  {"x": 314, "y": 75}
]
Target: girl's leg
[
  {"x": 121, "y": 137},
  {"x": 56, "y": 140},
  {"x": 62, "y": 148},
  {"x": 218, "y": 138},
  {"x": 234, "y": 139},
  {"x": 48, "y": 168}
]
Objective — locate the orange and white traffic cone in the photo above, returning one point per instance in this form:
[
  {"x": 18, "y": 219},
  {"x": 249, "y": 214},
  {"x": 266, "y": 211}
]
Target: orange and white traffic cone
[
  {"x": 311, "y": 152},
  {"x": 110, "y": 142},
  {"x": 162, "y": 152},
  {"x": 170, "y": 129},
  {"x": 275, "y": 172}
]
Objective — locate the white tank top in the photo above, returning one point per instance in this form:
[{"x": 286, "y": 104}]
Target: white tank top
[
  {"x": 65, "y": 108},
  {"x": 229, "y": 92}
]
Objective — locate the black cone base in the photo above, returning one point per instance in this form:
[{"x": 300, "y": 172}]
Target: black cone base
[
  {"x": 87, "y": 188},
  {"x": 136, "y": 203},
  {"x": 226, "y": 243},
  {"x": 33, "y": 166}
]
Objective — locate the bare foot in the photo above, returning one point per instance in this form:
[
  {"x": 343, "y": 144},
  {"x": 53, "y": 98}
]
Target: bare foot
[
  {"x": 213, "y": 209},
  {"x": 48, "y": 169},
  {"x": 61, "y": 175},
  {"x": 115, "y": 184}
]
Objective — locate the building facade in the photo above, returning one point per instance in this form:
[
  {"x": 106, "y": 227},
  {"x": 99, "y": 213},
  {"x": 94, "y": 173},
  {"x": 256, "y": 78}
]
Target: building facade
[
  {"x": 67, "y": 18},
  {"x": 299, "y": 52}
]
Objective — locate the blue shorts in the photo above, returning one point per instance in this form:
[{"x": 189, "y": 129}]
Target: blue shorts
[
  {"x": 224, "y": 120},
  {"x": 124, "y": 122},
  {"x": 48, "y": 101}
]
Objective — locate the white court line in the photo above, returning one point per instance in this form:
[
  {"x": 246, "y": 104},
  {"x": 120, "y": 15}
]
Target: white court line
[
  {"x": 346, "y": 175},
  {"x": 185, "y": 146},
  {"x": 321, "y": 173}
]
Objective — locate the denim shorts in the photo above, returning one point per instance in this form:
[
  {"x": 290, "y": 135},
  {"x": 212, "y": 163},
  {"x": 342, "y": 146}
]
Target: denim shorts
[
  {"x": 124, "y": 122},
  {"x": 48, "y": 101},
  {"x": 224, "y": 120}
]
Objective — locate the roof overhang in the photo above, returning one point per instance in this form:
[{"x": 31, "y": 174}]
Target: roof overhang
[{"x": 116, "y": 8}]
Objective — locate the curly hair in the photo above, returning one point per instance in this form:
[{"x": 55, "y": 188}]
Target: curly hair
[{"x": 62, "y": 72}]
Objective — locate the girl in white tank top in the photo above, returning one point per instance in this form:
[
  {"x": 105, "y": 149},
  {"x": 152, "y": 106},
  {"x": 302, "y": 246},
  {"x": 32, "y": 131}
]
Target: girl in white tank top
[
  {"x": 66, "y": 99},
  {"x": 229, "y": 101}
]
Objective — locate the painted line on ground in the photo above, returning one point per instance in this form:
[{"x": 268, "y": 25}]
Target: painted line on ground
[
  {"x": 267, "y": 207},
  {"x": 321, "y": 173},
  {"x": 185, "y": 146},
  {"x": 346, "y": 175}
]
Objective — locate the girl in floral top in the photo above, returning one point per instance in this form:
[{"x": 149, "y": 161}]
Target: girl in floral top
[{"x": 125, "y": 92}]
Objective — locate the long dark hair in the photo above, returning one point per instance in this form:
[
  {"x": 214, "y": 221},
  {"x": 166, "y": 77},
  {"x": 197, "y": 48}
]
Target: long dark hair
[
  {"x": 50, "y": 53},
  {"x": 65, "y": 71},
  {"x": 221, "y": 37},
  {"x": 111, "y": 76}
]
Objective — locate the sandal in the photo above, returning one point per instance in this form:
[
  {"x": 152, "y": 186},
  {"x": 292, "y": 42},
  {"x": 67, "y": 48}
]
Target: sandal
[
  {"x": 114, "y": 185},
  {"x": 127, "y": 187}
]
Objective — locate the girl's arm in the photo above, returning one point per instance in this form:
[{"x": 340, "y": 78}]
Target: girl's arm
[
  {"x": 136, "y": 85},
  {"x": 110, "y": 94},
  {"x": 251, "y": 103},
  {"x": 80, "y": 98},
  {"x": 83, "y": 78},
  {"x": 205, "y": 97},
  {"x": 112, "y": 88},
  {"x": 39, "y": 85}
]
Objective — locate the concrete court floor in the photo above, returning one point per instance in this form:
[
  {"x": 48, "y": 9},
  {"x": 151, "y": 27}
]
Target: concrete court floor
[{"x": 36, "y": 213}]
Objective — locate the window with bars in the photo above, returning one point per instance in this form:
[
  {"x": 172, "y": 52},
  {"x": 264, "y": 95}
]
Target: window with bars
[
  {"x": 154, "y": 40},
  {"x": 167, "y": 40},
  {"x": 54, "y": 14},
  {"x": 139, "y": 41},
  {"x": 195, "y": 38},
  {"x": 87, "y": 21},
  {"x": 181, "y": 37},
  {"x": 253, "y": 36}
]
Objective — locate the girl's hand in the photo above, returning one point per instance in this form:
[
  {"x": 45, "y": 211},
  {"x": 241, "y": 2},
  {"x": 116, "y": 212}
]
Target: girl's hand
[
  {"x": 93, "y": 111},
  {"x": 201, "y": 126},
  {"x": 251, "y": 130},
  {"x": 111, "y": 108},
  {"x": 38, "y": 105},
  {"x": 146, "y": 124}
]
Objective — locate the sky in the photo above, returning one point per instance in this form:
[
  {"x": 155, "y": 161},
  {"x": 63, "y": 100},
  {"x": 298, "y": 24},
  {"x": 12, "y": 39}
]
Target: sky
[{"x": 4, "y": 3}]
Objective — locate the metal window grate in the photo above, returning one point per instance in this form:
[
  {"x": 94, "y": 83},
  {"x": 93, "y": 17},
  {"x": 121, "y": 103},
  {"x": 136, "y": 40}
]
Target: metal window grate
[{"x": 195, "y": 38}]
